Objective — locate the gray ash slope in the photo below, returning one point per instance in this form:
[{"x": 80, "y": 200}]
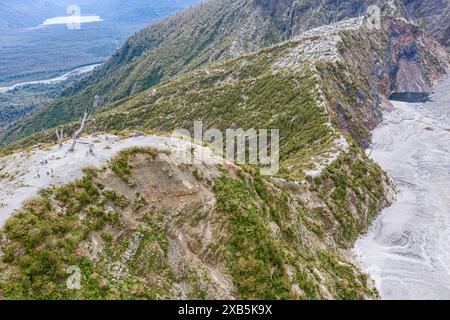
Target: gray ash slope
[{"x": 406, "y": 251}]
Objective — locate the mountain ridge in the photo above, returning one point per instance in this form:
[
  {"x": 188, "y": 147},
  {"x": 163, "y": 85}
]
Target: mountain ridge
[
  {"x": 400, "y": 50},
  {"x": 205, "y": 33}
]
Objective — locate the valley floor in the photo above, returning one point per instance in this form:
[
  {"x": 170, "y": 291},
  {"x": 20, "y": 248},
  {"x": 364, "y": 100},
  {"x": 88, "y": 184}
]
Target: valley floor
[
  {"x": 407, "y": 250},
  {"x": 73, "y": 73}
]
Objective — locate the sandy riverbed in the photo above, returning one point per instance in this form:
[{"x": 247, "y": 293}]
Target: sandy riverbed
[{"x": 407, "y": 251}]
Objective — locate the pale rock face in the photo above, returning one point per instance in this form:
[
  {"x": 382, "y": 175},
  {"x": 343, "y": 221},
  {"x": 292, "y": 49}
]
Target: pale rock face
[
  {"x": 311, "y": 50},
  {"x": 319, "y": 44},
  {"x": 409, "y": 77}
]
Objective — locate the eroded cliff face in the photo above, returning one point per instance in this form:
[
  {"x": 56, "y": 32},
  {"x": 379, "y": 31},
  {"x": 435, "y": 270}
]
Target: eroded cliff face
[
  {"x": 146, "y": 227},
  {"x": 417, "y": 62},
  {"x": 370, "y": 65},
  {"x": 433, "y": 16},
  {"x": 294, "y": 17}
]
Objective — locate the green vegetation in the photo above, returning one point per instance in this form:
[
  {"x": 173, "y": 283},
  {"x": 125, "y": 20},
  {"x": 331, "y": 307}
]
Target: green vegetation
[
  {"x": 210, "y": 33},
  {"x": 18, "y": 103},
  {"x": 49, "y": 240},
  {"x": 121, "y": 167},
  {"x": 51, "y": 232},
  {"x": 274, "y": 246},
  {"x": 257, "y": 257},
  {"x": 352, "y": 187},
  {"x": 273, "y": 238},
  {"x": 218, "y": 30},
  {"x": 242, "y": 92},
  {"x": 271, "y": 243}
]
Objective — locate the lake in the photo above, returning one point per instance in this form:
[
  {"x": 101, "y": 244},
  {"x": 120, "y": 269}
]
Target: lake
[{"x": 69, "y": 20}]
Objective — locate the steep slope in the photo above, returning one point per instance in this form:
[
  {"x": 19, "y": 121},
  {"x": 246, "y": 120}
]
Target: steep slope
[
  {"x": 16, "y": 14},
  {"x": 218, "y": 29},
  {"x": 212, "y": 31},
  {"x": 148, "y": 226},
  {"x": 433, "y": 15},
  {"x": 144, "y": 227}
]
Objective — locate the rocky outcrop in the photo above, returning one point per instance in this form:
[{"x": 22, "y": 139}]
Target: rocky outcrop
[
  {"x": 417, "y": 62},
  {"x": 433, "y": 16}
]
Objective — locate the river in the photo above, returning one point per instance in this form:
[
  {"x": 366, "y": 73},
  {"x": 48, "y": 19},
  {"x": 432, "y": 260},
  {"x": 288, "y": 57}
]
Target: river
[
  {"x": 64, "y": 77},
  {"x": 407, "y": 250}
]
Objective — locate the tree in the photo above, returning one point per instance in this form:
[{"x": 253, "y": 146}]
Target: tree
[
  {"x": 79, "y": 131},
  {"x": 60, "y": 136}
]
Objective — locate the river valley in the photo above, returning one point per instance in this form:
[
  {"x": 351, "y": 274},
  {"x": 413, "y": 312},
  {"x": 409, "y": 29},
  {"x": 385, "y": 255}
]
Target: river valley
[
  {"x": 73, "y": 73},
  {"x": 407, "y": 250}
]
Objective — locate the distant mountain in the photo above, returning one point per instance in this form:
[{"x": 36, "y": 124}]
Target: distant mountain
[
  {"x": 30, "y": 53},
  {"x": 136, "y": 10},
  {"x": 223, "y": 28},
  {"x": 30, "y": 13},
  {"x": 26, "y": 13}
]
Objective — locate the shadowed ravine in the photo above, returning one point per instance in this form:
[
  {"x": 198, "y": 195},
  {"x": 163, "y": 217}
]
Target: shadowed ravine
[{"x": 407, "y": 251}]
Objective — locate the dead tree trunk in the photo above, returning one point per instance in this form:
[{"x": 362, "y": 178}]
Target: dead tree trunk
[
  {"x": 60, "y": 137},
  {"x": 78, "y": 132}
]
